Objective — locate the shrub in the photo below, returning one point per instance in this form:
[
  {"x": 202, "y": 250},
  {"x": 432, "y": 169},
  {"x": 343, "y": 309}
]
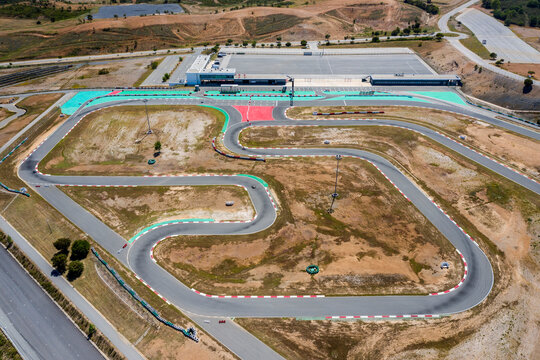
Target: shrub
[
  {"x": 154, "y": 65},
  {"x": 59, "y": 262},
  {"x": 79, "y": 249},
  {"x": 103, "y": 71},
  {"x": 75, "y": 270},
  {"x": 157, "y": 146},
  {"x": 62, "y": 245}
]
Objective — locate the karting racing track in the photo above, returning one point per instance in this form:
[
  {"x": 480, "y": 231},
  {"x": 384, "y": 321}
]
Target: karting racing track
[{"x": 474, "y": 287}]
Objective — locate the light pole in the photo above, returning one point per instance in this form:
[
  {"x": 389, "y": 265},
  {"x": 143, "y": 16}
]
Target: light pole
[
  {"x": 291, "y": 79},
  {"x": 335, "y": 193},
  {"x": 149, "y": 131}
]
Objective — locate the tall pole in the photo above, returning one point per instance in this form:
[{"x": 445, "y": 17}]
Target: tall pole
[
  {"x": 147, "y": 118},
  {"x": 335, "y": 193}
]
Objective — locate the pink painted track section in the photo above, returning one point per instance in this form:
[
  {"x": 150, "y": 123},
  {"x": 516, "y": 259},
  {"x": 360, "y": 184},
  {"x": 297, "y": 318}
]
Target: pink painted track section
[
  {"x": 115, "y": 92},
  {"x": 255, "y": 113}
]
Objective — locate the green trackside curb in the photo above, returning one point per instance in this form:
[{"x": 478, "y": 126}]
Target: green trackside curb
[
  {"x": 146, "y": 229},
  {"x": 223, "y": 112},
  {"x": 265, "y": 184}
]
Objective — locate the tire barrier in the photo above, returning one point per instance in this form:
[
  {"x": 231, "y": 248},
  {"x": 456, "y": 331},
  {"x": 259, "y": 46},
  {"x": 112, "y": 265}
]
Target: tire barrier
[
  {"x": 13, "y": 150},
  {"x": 252, "y": 158},
  {"x": 190, "y": 332},
  {"x": 503, "y": 114},
  {"x": 348, "y": 112},
  {"x": 312, "y": 269},
  {"x": 1, "y": 161}
]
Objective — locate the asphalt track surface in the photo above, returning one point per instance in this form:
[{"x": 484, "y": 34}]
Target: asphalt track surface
[
  {"x": 36, "y": 326},
  {"x": 478, "y": 281}
]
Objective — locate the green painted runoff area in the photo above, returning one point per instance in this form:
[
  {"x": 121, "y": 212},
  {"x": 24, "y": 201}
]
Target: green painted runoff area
[
  {"x": 277, "y": 92},
  {"x": 81, "y": 97},
  {"x": 165, "y": 223},
  {"x": 152, "y": 92},
  {"x": 348, "y": 92},
  {"x": 370, "y": 98},
  {"x": 442, "y": 95},
  {"x": 246, "y": 97}
]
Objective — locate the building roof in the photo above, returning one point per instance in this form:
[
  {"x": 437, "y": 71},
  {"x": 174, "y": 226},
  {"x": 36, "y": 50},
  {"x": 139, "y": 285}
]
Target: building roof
[
  {"x": 200, "y": 63},
  {"x": 415, "y": 77}
]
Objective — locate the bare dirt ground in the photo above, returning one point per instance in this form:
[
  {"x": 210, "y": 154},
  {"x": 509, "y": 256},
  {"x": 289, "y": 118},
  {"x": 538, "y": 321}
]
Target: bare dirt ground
[
  {"x": 128, "y": 210},
  {"x": 121, "y": 73},
  {"x": 504, "y": 326},
  {"x": 374, "y": 242},
  {"x": 509, "y": 147},
  {"x": 4, "y": 114},
  {"x": 530, "y": 35},
  {"x": 309, "y": 21},
  {"x": 34, "y": 105},
  {"x": 523, "y": 69},
  {"x": 109, "y": 144}
]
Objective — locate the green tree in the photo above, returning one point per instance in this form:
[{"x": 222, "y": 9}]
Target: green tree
[
  {"x": 91, "y": 330},
  {"x": 439, "y": 36},
  {"x": 59, "y": 262},
  {"x": 157, "y": 146},
  {"x": 287, "y": 44},
  {"x": 62, "y": 245},
  {"x": 375, "y": 39},
  {"x": 493, "y": 56},
  {"x": 528, "y": 82},
  {"x": 154, "y": 65},
  {"x": 303, "y": 42},
  {"x": 327, "y": 36},
  {"x": 253, "y": 43},
  {"x": 75, "y": 270},
  {"x": 166, "y": 77},
  {"x": 79, "y": 249}
]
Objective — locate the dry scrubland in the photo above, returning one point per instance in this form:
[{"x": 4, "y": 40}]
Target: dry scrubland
[
  {"x": 504, "y": 217},
  {"x": 508, "y": 147},
  {"x": 121, "y": 73},
  {"x": 310, "y": 22},
  {"x": 128, "y": 210},
  {"x": 505, "y": 214},
  {"x": 45, "y": 225},
  {"x": 399, "y": 254}
]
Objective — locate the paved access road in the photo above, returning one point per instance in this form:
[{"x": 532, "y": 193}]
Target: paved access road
[
  {"x": 499, "y": 38},
  {"x": 454, "y": 41},
  {"x": 476, "y": 286},
  {"x": 37, "y": 327},
  {"x": 166, "y": 66}
]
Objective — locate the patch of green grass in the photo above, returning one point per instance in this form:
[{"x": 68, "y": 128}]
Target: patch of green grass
[
  {"x": 497, "y": 193},
  {"x": 417, "y": 267},
  {"x": 472, "y": 43}
]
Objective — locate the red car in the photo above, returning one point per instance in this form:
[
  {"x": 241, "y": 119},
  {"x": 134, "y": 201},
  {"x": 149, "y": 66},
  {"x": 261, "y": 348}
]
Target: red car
[{"x": 222, "y": 321}]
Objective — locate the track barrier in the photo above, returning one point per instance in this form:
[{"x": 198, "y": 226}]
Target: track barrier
[
  {"x": 348, "y": 112},
  {"x": 252, "y": 158},
  {"x": 3, "y": 159},
  {"x": 190, "y": 333},
  {"x": 503, "y": 114}
]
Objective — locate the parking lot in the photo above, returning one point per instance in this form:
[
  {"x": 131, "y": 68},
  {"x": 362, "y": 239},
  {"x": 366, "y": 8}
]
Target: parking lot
[{"x": 339, "y": 65}]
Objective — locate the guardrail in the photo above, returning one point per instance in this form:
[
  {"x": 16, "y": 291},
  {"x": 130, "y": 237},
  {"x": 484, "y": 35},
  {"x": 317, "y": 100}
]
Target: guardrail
[
  {"x": 501, "y": 113},
  {"x": 190, "y": 332}
]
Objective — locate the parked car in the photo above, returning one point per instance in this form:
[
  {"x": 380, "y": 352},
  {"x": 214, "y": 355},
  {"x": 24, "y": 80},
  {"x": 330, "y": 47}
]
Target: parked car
[{"x": 222, "y": 321}]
